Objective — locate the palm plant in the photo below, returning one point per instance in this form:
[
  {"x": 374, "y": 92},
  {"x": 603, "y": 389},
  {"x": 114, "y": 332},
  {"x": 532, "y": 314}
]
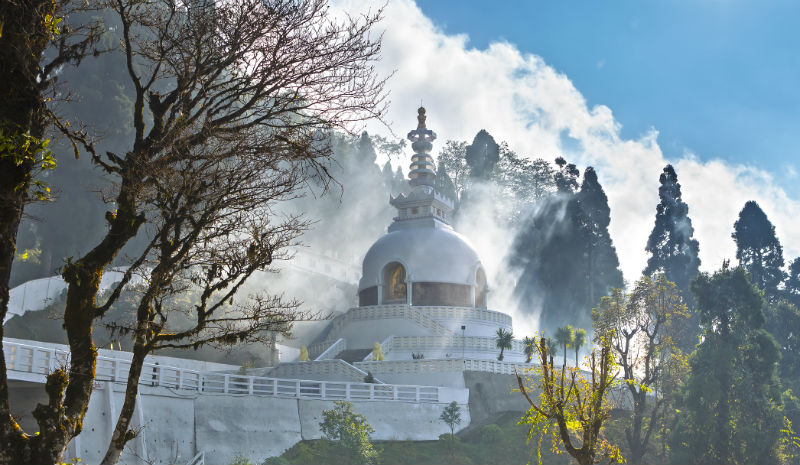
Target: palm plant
[
  {"x": 503, "y": 339},
  {"x": 578, "y": 340},
  {"x": 528, "y": 343},
  {"x": 564, "y": 339}
]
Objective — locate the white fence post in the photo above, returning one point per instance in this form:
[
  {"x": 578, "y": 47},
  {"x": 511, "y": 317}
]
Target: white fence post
[
  {"x": 225, "y": 386},
  {"x": 250, "y": 386},
  {"x": 35, "y": 356}
]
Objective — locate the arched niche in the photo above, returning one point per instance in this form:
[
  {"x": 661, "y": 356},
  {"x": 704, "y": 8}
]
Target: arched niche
[
  {"x": 481, "y": 289},
  {"x": 394, "y": 284}
]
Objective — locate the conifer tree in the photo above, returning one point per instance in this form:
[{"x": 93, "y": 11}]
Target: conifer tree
[
  {"x": 602, "y": 265},
  {"x": 673, "y": 249},
  {"x": 565, "y": 252},
  {"x": 792, "y": 288},
  {"x": 388, "y": 175},
  {"x": 758, "y": 249},
  {"x": 482, "y": 155},
  {"x": 731, "y": 407},
  {"x": 444, "y": 184}
]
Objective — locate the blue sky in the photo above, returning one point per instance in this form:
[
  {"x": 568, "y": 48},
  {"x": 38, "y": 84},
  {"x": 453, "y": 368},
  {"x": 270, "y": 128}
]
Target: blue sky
[{"x": 720, "y": 79}]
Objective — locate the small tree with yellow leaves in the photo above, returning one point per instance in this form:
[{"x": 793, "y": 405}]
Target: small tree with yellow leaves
[{"x": 572, "y": 406}]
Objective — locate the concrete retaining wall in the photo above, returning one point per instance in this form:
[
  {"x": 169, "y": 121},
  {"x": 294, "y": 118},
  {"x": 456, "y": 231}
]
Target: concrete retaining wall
[{"x": 174, "y": 425}]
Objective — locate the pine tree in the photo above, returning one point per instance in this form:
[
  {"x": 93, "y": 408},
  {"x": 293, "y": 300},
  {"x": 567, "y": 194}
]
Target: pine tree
[
  {"x": 758, "y": 249},
  {"x": 673, "y": 249},
  {"x": 388, "y": 176},
  {"x": 565, "y": 253},
  {"x": 792, "y": 288},
  {"x": 444, "y": 184},
  {"x": 482, "y": 155},
  {"x": 602, "y": 265},
  {"x": 731, "y": 407}
]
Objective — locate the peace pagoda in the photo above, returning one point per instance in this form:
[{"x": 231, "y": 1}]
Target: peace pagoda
[{"x": 423, "y": 309}]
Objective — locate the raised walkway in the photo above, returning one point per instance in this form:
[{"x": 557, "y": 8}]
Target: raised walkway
[{"x": 31, "y": 362}]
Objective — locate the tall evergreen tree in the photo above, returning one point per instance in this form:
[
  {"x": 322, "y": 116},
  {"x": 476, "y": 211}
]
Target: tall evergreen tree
[
  {"x": 565, "y": 253},
  {"x": 731, "y": 407},
  {"x": 673, "y": 249},
  {"x": 792, "y": 288},
  {"x": 444, "y": 184},
  {"x": 602, "y": 264},
  {"x": 758, "y": 249},
  {"x": 482, "y": 155}
]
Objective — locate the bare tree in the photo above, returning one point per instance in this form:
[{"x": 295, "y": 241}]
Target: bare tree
[
  {"x": 217, "y": 85},
  {"x": 37, "y": 38},
  {"x": 643, "y": 329},
  {"x": 213, "y": 227}
]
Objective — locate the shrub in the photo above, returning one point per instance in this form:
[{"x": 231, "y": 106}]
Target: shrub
[
  {"x": 275, "y": 461},
  {"x": 491, "y": 433}
]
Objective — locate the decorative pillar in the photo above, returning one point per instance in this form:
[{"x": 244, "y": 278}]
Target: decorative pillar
[{"x": 409, "y": 293}]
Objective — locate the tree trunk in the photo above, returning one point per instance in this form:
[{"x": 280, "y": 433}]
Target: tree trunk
[
  {"x": 122, "y": 434},
  {"x": 11, "y": 204},
  {"x": 22, "y": 45}
]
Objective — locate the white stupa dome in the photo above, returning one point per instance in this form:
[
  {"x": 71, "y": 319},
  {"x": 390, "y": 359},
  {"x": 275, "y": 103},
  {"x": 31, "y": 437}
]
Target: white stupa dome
[{"x": 429, "y": 254}]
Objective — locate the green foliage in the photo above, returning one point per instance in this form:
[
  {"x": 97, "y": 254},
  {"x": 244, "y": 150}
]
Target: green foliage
[
  {"x": 22, "y": 148},
  {"x": 275, "y": 461},
  {"x": 28, "y": 255},
  {"x": 491, "y": 433},
  {"x": 350, "y": 433},
  {"x": 571, "y": 408},
  {"x": 578, "y": 340},
  {"x": 642, "y": 328},
  {"x": 782, "y": 320},
  {"x": 758, "y": 250},
  {"x": 672, "y": 247},
  {"x": 564, "y": 251},
  {"x": 564, "y": 339},
  {"x": 241, "y": 459},
  {"x": 730, "y": 409},
  {"x": 503, "y": 340},
  {"x": 463, "y": 448},
  {"x": 528, "y": 348},
  {"x": 451, "y": 416},
  {"x": 482, "y": 155}
]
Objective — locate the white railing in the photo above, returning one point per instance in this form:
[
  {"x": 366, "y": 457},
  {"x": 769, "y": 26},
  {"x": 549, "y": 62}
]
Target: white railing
[
  {"x": 42, "y": 360},
  {"x": 321, "y": 367},
  {"x": 441, "y": 343},
  {"x": 467, "y": 313},
  {"x": 400, "y": 367},
  {"x": 333, "y": 350},
  {"x": 375, "y": 312}
]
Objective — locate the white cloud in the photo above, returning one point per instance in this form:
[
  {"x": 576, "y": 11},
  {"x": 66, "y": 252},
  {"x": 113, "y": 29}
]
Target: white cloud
[{"x": 520, "y": 99}]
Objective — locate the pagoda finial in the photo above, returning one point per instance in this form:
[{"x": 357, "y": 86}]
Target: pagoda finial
[{"x": 423, "y": 172}]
